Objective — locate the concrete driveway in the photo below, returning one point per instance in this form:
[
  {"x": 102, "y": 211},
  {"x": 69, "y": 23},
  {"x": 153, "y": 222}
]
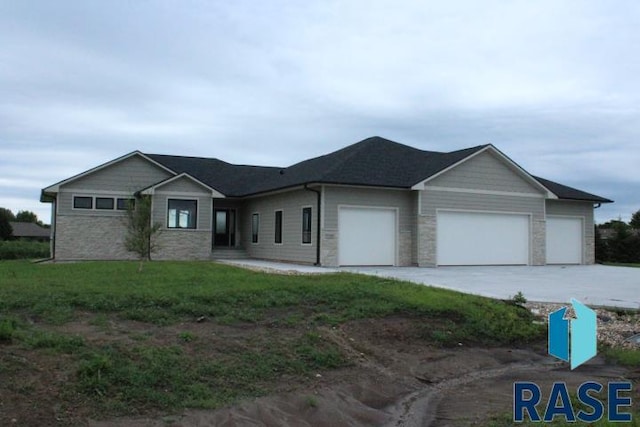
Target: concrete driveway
[{"x": 590, "y": 284}]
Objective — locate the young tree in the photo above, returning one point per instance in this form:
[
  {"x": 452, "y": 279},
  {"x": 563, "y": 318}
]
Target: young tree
[
  {"x": 141, "y": 233},
  {"x": 6, "y": 231},
  {"x": 27, "y": 216},
  {"x": 635, "y": 220}
]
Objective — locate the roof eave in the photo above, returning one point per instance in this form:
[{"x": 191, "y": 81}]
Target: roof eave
[{"x": 592, "y": 200}]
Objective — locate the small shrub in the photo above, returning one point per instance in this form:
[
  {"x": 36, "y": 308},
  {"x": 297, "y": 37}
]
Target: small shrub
[
  {"x": 519, "y": 298},
  {"x": 186, "y": 336},
  {"x": 311, "y": 401}
]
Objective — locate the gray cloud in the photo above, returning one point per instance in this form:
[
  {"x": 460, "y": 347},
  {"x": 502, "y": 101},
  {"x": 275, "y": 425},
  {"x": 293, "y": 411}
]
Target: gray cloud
[{"x": 552, "y": 84}]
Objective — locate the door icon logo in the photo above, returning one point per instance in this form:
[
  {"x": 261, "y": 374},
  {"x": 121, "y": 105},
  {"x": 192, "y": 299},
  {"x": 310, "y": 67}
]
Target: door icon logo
[{"x": 573, "y": 340}]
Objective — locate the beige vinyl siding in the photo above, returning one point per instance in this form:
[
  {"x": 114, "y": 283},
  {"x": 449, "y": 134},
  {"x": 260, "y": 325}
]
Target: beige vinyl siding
[
  {"x": 403, "y": 200},
  {"x": 291, "y": 248},
  {"x": 577, "y": 209},
  {"x": 432, "y": 200},
  {"x": 117, "y": 180},
  {"x": 183, "y": 185},
  {"x": 129, "y": 175},
  {"x": 484, "y": 172}
]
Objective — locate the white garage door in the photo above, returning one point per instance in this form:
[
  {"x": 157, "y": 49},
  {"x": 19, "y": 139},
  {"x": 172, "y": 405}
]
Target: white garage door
[
  {"x": 366, "y": 236},
  {"x": 564, "y": 240},
  {"x": 473, "y": 238}
]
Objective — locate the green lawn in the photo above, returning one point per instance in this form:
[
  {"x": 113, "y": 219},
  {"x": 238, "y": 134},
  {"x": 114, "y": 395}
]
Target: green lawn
[
  {"x": 118, "y": 342},
  {"x": 169, "y": 292}
]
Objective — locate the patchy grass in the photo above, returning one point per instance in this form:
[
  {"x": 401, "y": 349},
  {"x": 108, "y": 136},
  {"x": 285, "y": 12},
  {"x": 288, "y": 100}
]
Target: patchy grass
[
  {"x": 123, "y": 342},
  {"x": 171, "y": 292},
  {"x": 623, "y": 356}
]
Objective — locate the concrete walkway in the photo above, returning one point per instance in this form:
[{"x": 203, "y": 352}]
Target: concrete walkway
[
  {"x": 590, "y": 284},
  {"x": 278, "y": 267}
]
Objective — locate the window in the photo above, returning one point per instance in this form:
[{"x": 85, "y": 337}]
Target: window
[
  {"x": 182, "y": 213},
  {"x": 278, "y": 237},
  {"x": 306, "y": 225},
  {"x": 255, "y": 224},
  {"x": 104, "y": 203},
  {"x": 82, "y": 202},
  {"x": 124, "y": 204}
]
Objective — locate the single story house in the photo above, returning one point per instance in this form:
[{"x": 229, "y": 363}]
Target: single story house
[
  {"x": 376, "y": 202},
  {"x": 30, "y": 231}
]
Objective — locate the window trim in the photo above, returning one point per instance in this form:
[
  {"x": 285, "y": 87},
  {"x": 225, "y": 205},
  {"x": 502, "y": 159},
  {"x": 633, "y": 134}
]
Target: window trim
[
  {"x": 255, "y": 236},
  {"x": 125, "y": 199},
  {"x": 113, "y": 203},
  {"x": 310, "y": 232},
  {"x": 73, "y": 202},
  {"x": 195, "y": 222},
  {"x": 277, "y": 235}
]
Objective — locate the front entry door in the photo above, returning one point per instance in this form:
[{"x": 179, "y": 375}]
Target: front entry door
[{"x": 224, "y": 233}]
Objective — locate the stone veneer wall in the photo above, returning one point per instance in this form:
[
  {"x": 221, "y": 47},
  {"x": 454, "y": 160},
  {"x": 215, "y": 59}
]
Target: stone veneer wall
[
  {"x": 426, "y": 241},
  {"x": 91, "y": 238},
  {"x": 102, "y": 238},
  {"x": 183, "y": 245},
  {"x": 539, "y": 242}
]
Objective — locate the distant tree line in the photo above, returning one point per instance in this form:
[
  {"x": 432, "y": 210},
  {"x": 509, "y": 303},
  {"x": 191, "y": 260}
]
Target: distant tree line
[
  {"x": 618, "y": 241},
  {"x": 7, "y": 217}
]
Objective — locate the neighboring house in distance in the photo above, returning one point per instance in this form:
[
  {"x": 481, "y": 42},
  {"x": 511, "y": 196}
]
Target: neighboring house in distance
[
  {"x": 30, "y": 231},
  {"x": 376, "y": 202}
]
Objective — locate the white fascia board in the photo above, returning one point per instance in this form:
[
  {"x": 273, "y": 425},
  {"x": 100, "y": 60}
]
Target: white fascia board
[
  {"x": 151, "y": 190},
  {"x": 55, "y": 188}
]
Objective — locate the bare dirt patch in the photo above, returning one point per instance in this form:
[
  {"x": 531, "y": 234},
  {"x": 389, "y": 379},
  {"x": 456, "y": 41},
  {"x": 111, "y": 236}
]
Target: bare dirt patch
[{"x": 396, "y": 377}]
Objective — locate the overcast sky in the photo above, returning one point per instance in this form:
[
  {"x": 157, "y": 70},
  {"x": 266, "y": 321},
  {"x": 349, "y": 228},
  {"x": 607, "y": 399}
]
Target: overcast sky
[{"x": 553, "y": 84}]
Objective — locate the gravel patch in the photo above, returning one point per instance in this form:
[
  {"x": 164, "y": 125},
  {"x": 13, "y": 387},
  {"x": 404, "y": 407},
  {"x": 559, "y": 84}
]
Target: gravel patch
[{"x": 615, "y": 327}]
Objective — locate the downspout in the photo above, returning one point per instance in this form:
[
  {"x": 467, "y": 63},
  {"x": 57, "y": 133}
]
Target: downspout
[
  {"x": 54, "y": 232},
  {"x": 319, "y": 195}
]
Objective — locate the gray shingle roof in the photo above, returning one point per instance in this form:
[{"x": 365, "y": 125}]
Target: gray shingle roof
[
  {"x": 570, "y": 193},
  {"x": 29, "y": 229},
  {"x": 374, "y": 161}
]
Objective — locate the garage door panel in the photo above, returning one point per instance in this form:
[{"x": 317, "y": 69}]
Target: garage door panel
[
  {"x": 366, "y": 236},
  {"x": 564, "y": 240},
  {"x": 473, "y": 238}
]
